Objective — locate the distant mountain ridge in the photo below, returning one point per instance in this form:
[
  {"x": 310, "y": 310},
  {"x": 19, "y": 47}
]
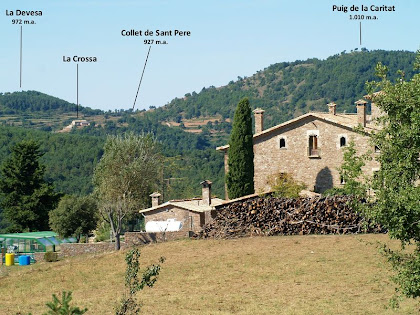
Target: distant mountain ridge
[
  {"x": 285, "y": 90},
  {"x": 288, "y": 89}
]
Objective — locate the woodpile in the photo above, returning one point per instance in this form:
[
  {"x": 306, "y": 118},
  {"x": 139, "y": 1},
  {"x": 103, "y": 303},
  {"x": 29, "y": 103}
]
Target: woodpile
[{"x": 267, "y": 216}]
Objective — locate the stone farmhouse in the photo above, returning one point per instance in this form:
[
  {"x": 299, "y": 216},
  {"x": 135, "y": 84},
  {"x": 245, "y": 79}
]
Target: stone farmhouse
[
  {"x": 191, "y": 213},
  {"x": 310, "y": 147}
]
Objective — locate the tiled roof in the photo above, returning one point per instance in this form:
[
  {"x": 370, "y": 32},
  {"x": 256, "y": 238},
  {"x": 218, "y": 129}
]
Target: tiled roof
[
  {"x": 195, "y": 204},
  {"x": 346, "y": 120}
]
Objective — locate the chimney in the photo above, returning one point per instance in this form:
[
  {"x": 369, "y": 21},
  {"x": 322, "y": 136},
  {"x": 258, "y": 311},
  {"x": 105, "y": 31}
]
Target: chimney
[
  {"x": 361, "y": 112},
  {"x": 155, "y": 199},
  {"x": 332, "y": 108},
  {"x": 206, "y": 192},
  {"x": 376, "y": 112},
  {"x": 259, "y": 120}
]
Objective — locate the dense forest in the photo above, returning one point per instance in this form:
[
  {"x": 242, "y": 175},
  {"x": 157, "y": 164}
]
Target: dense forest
[
  {"x": 285, "y": 90},
  {"x": 71, "y": 158}
]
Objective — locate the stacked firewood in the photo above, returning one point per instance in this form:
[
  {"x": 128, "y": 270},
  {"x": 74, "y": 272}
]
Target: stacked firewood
[{"x": 279, "y": 216}]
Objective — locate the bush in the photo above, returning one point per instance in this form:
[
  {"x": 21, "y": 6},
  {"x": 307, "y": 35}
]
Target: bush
[
  {"x": 335, "y": 191},
  {"x": 50, "y": 256},
  {"x": 284, "y": 185}
]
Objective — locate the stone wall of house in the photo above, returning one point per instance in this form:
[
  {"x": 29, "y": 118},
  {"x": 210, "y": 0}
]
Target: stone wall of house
[
  {"x": 318, "y": 173},
  {"x": 191, "y": 221}
]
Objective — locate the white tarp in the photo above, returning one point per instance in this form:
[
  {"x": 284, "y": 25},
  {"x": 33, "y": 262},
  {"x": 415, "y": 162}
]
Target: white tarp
[{"x": 170, "y": 225}]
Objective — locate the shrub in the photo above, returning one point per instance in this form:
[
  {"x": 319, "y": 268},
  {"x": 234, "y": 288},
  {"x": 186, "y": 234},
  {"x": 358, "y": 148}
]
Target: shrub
[
  {"x": 284, "y": 185},
  {"x": 50, "y": 256}
]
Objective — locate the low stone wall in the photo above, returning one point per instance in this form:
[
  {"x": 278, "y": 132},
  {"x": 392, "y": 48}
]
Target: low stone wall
[
  {"x": 131, "y": 239},
  {"x": 141, "y": 238},
  {"x": 39, "y": 256},
  {"x": 75, "y": 249}
]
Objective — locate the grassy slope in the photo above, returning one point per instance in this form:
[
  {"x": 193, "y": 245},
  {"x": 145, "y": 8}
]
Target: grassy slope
[{"x": 275, "y": 275}]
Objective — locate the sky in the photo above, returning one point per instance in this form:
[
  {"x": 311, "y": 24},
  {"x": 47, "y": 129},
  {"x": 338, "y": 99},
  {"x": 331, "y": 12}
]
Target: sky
[{"x": 227, "y": 39}]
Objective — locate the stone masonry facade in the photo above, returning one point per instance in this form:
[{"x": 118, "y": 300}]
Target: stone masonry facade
[
  {"x": 310, "y": 147},
  {"x": 318, "y": 172},
  {"x": 191, "y": 221}
]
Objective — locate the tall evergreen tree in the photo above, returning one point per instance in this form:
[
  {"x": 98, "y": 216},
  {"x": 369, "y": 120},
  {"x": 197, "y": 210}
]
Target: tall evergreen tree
[
  {"x": 240, "y": 178},
  {"x": 26, "y": 198}
]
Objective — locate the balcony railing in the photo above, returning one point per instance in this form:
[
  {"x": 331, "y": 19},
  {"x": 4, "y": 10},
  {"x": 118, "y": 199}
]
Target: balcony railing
[{"x": 314, "y": 153}]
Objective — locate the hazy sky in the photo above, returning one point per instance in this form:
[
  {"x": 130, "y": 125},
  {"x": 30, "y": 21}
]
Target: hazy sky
[{"x": 228, "y": 39}]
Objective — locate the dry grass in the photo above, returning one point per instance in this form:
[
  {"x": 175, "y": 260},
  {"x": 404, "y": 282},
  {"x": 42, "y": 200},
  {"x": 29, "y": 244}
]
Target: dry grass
[{"x": 273, "y": 275}]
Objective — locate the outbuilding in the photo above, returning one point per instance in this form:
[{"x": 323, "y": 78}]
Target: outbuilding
[{"x": 185, "y": 214}]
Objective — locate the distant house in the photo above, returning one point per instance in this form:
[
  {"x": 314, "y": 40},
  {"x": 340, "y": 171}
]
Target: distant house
[
  {"x": 191, "y": 213},
  {"x": 310, "y": 147},
  {"x": 75, "y": 123},
  {"x": 80, "y": 123}
]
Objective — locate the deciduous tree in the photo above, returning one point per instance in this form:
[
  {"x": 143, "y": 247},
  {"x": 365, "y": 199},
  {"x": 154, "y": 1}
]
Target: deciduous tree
[
  {"x": 355, "y": 183},
  {"x": 125, "y": 176},
  {"x": 397, "y": 191},
  {"x": 74, "y": 216}
]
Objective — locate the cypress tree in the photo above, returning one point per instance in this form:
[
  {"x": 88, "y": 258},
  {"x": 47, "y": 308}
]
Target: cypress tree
[{"x": 240, "y": 177}]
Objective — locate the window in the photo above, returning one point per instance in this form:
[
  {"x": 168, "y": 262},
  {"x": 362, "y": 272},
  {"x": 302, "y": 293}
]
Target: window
[
  {"x": 342, "y": 181},
  {"x": 342, "y": 140},
  {"x": 282, "y": 143},
  {"x": 313, "y": 146},
  {"x": 377, "y": 150}
]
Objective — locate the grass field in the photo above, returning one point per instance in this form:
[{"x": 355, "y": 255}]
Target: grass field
[{"x": 272, "y": 275}]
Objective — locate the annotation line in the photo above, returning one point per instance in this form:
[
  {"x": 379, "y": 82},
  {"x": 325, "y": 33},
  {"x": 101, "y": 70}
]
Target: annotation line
[
  {"x": 20, "y": 75},
  {"x": 141, "y": 78},
  {"x": 77, "y": 90}
]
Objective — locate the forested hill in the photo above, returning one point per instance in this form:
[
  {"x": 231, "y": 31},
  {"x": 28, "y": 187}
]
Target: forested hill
[
  {"x": 288, "y": 89},
  {"x": 32, "y": 102},
  {"x": 285, "y": 90}
]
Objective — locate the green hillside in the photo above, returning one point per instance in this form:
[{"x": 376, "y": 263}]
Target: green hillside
[{"x": 288, "y": 89}]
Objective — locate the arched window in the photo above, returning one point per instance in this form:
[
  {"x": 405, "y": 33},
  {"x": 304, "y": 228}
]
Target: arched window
[
  {"x": 343, "y": 142},
  {"x": 282, "y": 143}
]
